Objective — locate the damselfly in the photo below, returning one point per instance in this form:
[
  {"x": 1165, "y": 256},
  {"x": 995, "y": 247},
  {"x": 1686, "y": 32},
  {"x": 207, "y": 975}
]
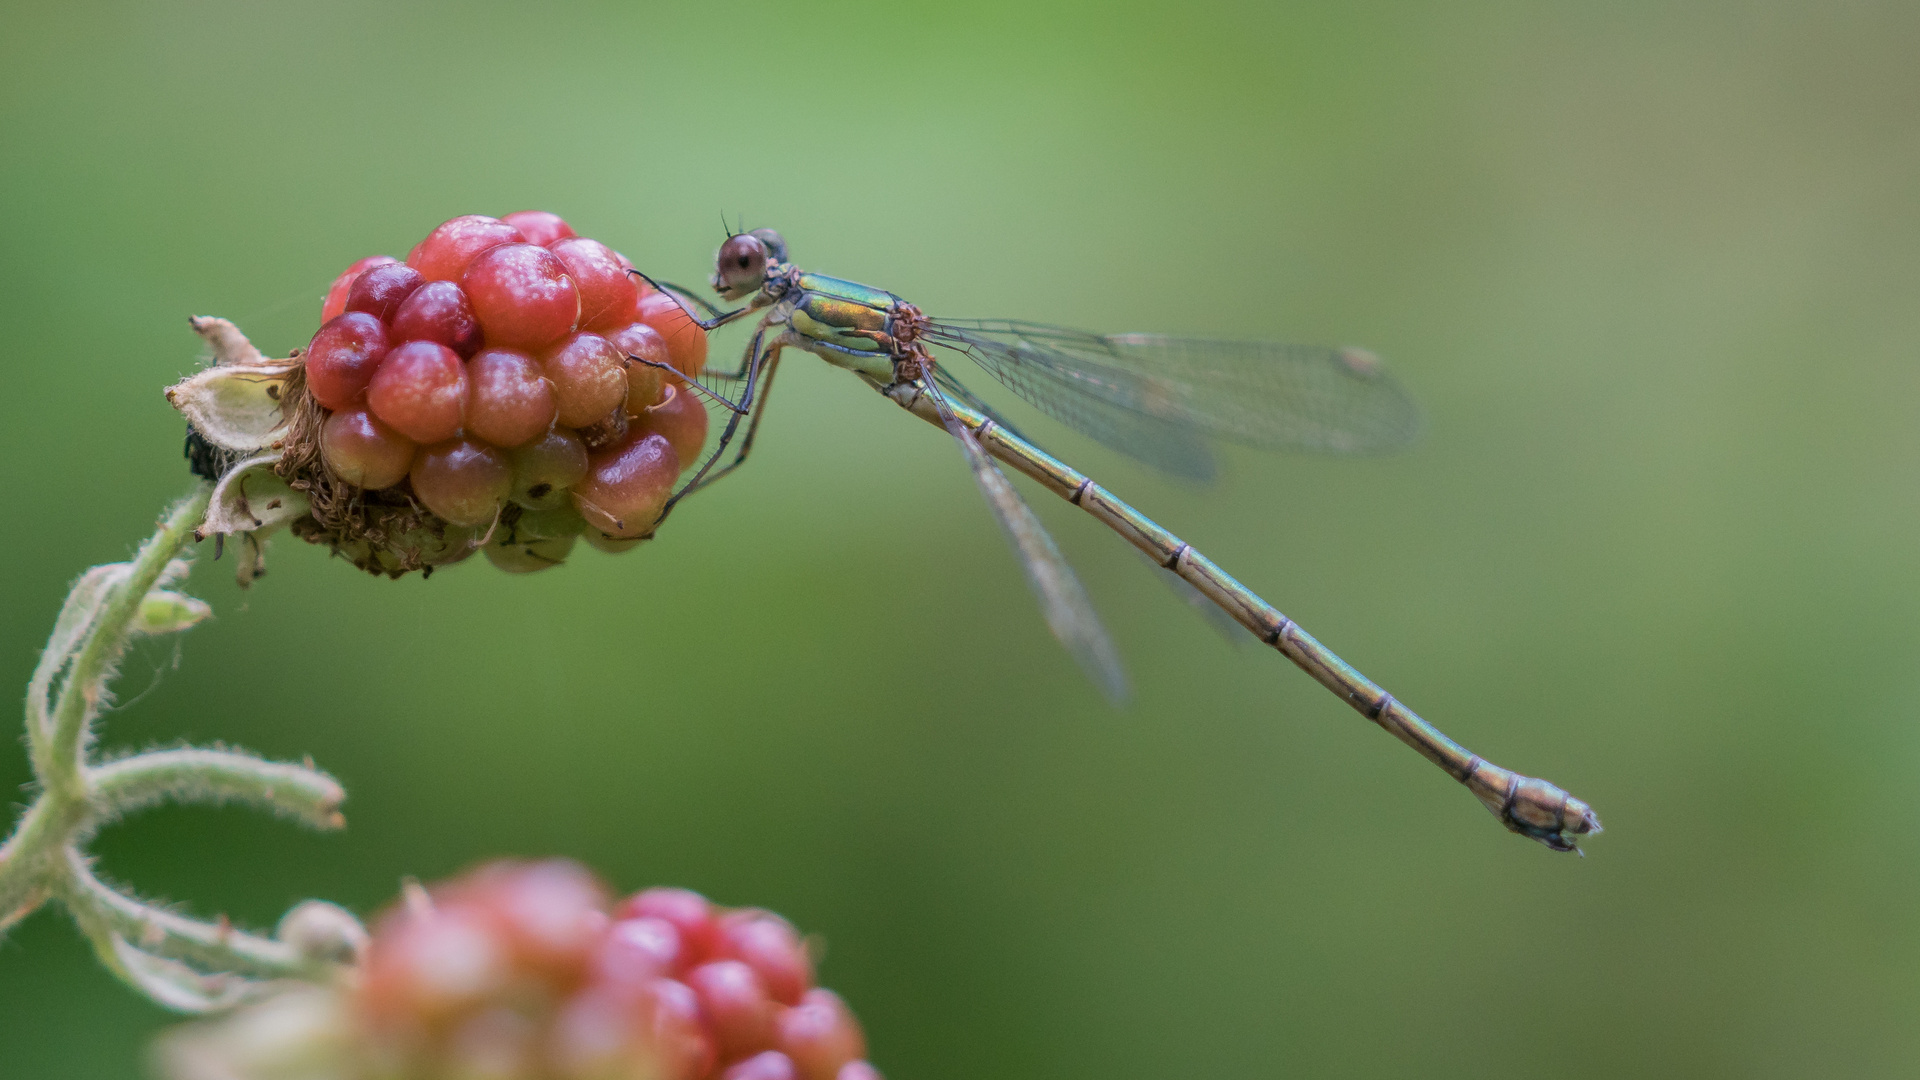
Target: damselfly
[{"x": 1158, "y": 399}]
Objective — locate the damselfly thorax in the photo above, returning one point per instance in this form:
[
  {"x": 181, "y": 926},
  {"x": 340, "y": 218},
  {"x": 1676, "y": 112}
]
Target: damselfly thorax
[{"x": 850, "y": 325}]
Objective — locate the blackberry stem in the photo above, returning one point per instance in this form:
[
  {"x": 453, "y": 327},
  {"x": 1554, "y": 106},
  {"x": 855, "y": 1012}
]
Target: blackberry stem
[{"x": 181, "y": 963}]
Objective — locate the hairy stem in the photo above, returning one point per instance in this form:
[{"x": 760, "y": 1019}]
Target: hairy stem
[
  {"x": 155, "y": 930},
  {"x": 92, "y": 630},
  {"x": 192, "y": 775},
  {"x": 79, "y": 700},
  {"x": 157, "y": 951},
  {"x": 178, "y": 962}
]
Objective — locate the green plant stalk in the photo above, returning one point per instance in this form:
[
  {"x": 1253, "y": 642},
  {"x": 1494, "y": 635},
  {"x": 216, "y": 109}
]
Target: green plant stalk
[
  {"x": 215, "y": 945},
  {"x": 79, "y": 700},
  {"x": 180, "y": 962},
  {"x": 29, "y": 858},
  {"x": 30, "y": 863},
  {"x": 193, "y": 775}
]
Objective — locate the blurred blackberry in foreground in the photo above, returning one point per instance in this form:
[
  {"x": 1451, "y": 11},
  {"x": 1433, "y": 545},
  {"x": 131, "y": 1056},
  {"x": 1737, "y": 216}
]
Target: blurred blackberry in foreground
[{"x": 526, "y": 971}]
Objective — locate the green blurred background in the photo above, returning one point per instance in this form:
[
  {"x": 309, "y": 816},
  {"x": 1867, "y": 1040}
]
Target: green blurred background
[{"x": 1651, "y": 268}]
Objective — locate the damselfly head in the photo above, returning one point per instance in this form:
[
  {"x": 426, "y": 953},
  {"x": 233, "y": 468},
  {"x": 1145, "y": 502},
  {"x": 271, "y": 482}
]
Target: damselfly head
[
  {"x": 776, "y": 244},
  {"x": 740, "y": 266}
]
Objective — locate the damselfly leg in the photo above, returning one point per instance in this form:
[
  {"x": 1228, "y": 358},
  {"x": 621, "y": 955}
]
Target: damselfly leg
[
  {"x": 771, "y": 366},
  {"x": 756, "y": 360}
]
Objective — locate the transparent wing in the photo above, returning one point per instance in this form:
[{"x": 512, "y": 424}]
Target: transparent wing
[
  {"x": 1068, "y": 612},
  {"x": 1160, "y": 398}
]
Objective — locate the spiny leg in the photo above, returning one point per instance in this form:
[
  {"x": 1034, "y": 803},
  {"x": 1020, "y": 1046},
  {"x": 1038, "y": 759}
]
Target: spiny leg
[
  {"x": 681, "y": 297},
  {"x": 772, "y": 367},
  {"x": 683, "y": 294},
  {"x": 744, "y": 371},
  {"x": 754, "y": 363}
]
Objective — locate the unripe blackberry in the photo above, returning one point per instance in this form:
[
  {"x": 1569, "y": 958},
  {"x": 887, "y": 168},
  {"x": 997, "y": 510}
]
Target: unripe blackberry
[
  {"x": 689, "y": 913},
  {"x": 550, "y": 914},
  {"x": 439, "y": 312},
  {"x": 522, "y": 295},
  {"x": 342, "y": 358},
  {"x": 641, "y": 346},
  {"x": 820, "y": 1035},
  {"x": 737, "y": 1007},
  {"x": 627, "y": 484},
  {"x": 770, "y": 945},
  {"x": 453, "y": 245},
  {"x": 509, "y": 403},
  {"x": 607, "y": 291},
  {"x": 336, "y": 301},
  {"x": 681, "y": 418},
  {"x": 539, "y": 227},
  {"x": 463, "y": 481},
  {"x": 679, "y": 1034},
  {"x": 588, "y": 376},
  {"x": 380, "y": 290},
  {"x": 423, "y": 972},
  {"x": 364, "y": 452},
  {"x": 639, "y": 950},
  {"x": 510, "y": 380},
  {"x": 420, "y": 390},
  {"x": 530, "y": 540},
  {"x": 544, "y": 470}
]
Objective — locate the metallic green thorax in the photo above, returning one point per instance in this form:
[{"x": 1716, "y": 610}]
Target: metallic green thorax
[{"x": 844, "y": 322}]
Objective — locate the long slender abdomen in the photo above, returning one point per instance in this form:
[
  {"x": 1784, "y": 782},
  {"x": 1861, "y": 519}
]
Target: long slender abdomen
[{"x": 1524, "y": 804}]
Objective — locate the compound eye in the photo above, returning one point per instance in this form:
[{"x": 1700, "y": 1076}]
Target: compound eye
[
  {"x": 741, "y": 264},
  {"x": 776, "y": 244}
]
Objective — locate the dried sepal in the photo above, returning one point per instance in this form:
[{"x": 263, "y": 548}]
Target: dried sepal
[
  {"x": 252, "y": 498},
  {"x": 229, "y": 345},
  {"x": 250, "y": 560},
  {"x": 250, "y": 502},
  {"x": 236, "y": 406}
]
